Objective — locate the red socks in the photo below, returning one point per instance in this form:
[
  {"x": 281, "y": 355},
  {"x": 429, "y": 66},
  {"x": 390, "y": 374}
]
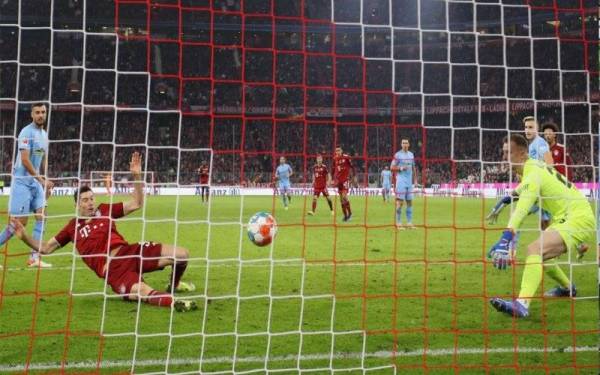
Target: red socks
[{"x": 157, "y": 298}]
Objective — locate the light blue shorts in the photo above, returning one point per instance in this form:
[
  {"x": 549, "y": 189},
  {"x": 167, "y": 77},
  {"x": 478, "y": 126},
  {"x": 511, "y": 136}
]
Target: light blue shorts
[
  {"x": 404, "y": 192},
  {"x": 25, "y": 199}
]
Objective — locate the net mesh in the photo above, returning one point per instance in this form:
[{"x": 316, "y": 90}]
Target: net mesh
[{"x": 240, "y": 84}]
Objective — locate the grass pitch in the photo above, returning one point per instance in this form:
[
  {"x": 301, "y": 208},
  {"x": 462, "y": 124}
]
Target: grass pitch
[{"x": 327, "y": 295}]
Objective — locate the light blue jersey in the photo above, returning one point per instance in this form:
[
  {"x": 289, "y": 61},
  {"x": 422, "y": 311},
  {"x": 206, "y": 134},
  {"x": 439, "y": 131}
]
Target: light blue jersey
[
  {"x": 283, "y": 173},
  {"x": 406, "y": 160},
  {"x": 537, "y": 148},
  {"x": 386, "y": 178},
  {"x": 404, "y": 178},
  {"x": 34, "y": 140},
  {"x": 26, "y": 193}
]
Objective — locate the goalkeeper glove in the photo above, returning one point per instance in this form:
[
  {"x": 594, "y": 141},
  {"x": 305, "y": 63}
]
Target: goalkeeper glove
[
  {"x": 501, "y": 253},
  {"x": 492, "y": 217}
]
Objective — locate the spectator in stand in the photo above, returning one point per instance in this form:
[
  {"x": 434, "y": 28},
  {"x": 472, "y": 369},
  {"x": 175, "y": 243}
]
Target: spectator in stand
[{"x": 561, "y": 157}]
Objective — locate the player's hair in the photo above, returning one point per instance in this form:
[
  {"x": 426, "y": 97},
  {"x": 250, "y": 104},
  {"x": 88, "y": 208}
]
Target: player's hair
[
  {"x": 528, "y": 118},
  {"x": 404, "y": 139},
  {"x": 550, "y": 125},
  {"x": 519, "y": 141},
  {"x": 81, "y": 190},
  {"x": 38, "y": 104}
]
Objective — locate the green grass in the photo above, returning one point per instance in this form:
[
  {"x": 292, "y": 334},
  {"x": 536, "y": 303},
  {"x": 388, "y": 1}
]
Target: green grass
[{"x": 322, "y": 288}]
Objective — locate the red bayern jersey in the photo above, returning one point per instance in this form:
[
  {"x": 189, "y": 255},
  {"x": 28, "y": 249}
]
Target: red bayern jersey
[
  {"x": 204, "y": 172},
  {"x": 320, "y": 172},
  {"x": 561, "y": 158},
  {"x": 94, "y": 237},
  {"x": 343, "y": 166}
]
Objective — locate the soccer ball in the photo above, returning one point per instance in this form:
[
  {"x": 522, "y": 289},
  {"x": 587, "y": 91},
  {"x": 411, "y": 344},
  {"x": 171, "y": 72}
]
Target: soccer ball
[{"x": 262, "y": 228}]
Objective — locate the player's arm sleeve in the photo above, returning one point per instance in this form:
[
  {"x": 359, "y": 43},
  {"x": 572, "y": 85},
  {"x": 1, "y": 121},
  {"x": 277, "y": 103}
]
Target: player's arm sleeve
[
  {"x": 529, "y": 192},
  {"x": 117, "y": 210},
  {"x": 24, "y": 140}
]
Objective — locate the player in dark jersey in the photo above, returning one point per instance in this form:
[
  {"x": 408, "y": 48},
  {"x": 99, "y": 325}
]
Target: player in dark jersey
[
  {"x": 560, "y": 156},
  {"x": 321, "y": 178},
  {"x": 104, "y": 250},
  {"x": 204, "y": 172},
  {"x": 344, "y": 171}
]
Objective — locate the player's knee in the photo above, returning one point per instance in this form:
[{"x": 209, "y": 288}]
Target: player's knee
[{"x": 181, "y": 253}]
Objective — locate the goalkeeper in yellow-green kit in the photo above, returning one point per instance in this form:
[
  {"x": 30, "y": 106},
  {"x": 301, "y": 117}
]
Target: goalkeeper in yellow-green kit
[{"x": 573, "y": 225}]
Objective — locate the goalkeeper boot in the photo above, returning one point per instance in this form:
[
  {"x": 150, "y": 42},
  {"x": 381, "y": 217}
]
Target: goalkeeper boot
[
  {"x": 512, "y": 308},
  {"x": 560, "y": 291},
  {"x": 183, "y": 305},
  {"x": 182, "y": 287}
]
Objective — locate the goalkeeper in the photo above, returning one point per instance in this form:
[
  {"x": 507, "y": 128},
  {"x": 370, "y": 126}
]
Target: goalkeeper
[{"x": 573, "y": 224}]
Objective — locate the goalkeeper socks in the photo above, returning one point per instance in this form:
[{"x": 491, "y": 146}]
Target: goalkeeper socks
[
  {"x": 557, "y": 274},
  {"x": 38, "y": 232},
  {"x": 532, "y": 277},
  {"x": 178, "y": 270},
  {"x": 409, "y": 214},
  {"x": 6, "y": 234},
  {"x": 399, "y": 215},
  {"x": 157, "y": 298}
]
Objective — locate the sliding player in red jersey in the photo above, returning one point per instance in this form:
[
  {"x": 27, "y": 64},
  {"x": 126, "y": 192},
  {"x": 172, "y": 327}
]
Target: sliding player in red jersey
[
  {"x": 104, "y": 250},
  {"x": 321, "y": 178},
  {"x": 344, "y": 171}
]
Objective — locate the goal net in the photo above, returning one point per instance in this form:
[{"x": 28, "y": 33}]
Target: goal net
[
  {"x": 119, "y": 182},
  {"x": 235, "y": 85}
]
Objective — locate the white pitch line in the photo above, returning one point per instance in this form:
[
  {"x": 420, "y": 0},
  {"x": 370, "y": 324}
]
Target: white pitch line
[{"x": 311, "y": 357}]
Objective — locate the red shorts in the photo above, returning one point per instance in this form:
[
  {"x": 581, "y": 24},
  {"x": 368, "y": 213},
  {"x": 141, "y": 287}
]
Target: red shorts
[
  {"x": 343, "y": 187},
  {"x": 123, "y": 272},
  {"x": 319, "y": 191}
]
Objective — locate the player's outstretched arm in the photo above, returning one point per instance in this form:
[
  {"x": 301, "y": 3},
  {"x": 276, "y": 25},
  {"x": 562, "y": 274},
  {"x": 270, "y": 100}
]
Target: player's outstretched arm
[
  {"x": 137, "y": 200},
  {"x": 492, "y": 217},
  {"x": 39, "y": 246}
]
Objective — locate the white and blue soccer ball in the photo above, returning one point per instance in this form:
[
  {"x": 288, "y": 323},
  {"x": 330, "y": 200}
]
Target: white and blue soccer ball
[{"x": 262, "y": 228}]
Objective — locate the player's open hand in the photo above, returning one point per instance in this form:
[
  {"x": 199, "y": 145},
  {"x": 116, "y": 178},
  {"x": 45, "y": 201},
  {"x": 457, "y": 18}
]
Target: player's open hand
[
  {"x": 501, "y": 253},
  {"x": 135, "y": 165},
  {"x": 492, "y": 218},
  {"x": 17, "y": 227}
]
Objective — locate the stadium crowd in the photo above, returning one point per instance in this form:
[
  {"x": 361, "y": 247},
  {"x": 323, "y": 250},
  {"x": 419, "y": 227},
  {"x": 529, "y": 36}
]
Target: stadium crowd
[{"x": 291, "y": 97}]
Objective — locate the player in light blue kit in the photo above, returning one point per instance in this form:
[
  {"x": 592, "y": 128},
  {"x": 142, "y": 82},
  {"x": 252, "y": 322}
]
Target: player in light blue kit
[
  {"x": 282, "y": 175},
  {"x": 29, "y": 188},
  {"x": 386, "y": 183},
  {"x": 538, "y": 150},
  {"x": 404, "y": 167}
]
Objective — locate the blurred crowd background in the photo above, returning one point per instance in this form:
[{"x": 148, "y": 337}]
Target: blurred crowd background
[{"x": 257, "y": 83}]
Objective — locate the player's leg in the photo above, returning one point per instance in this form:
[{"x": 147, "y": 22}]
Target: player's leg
[
  {"x": 316, "y": 194},
  {"x": 38, "y": 204},
  {"x": 548, "y": 246},
  {"x": 207, "y": 189},
  {"x": 400, "y": 198},
  {"x": 283, "y": 192},
  {"x": 174, "y": 256},
  {"x": 18, "y": 205},
  {"x": 152, "y": 296},
  {"x": 346, "y": 205},
  {"x": 409, "y": 207},
  {"x": 329, "y": 202}
]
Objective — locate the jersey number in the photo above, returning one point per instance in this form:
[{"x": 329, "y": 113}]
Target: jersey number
[{"x": 560, "y": 177}]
